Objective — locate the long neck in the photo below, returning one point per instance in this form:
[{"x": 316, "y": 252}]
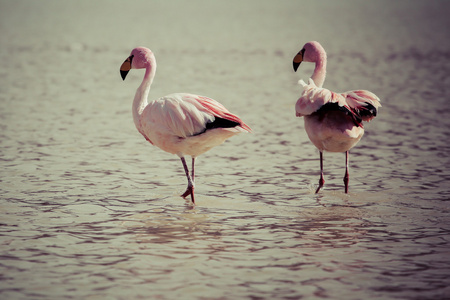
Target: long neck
[
  {"x": 141, "y": 97},
  {"x": 320, "y": 71}
]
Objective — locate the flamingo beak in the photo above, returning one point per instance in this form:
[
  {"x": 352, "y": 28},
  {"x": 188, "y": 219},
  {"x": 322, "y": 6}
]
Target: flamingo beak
[
  {"x": 298, "y": 59},
  {"x": 126, "y": 67}
]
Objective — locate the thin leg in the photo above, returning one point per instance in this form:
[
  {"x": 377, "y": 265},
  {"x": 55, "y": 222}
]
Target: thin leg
[
  {"x": 321, "y": 180},
  {"x": 190, "y": 187},
  {"x": 192, "y": 170},
  {"x": 346, "y": 176}
]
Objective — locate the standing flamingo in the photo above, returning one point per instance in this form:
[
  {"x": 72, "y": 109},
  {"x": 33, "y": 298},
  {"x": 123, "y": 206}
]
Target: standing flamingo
[
  {"x": 333, "y": 121},
  {"x": 181, "y": 124}
]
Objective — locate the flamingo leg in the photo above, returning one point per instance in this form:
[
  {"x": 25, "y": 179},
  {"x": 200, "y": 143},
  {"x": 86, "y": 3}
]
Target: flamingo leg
[
  {"x": 346, "y": 176},
  {"x": 190, "y": 187},
  {"x": 321, "y": 180},
  {"x": 192, "y": 170}
]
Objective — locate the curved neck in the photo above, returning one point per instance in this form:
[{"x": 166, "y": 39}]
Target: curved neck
[
  {"x": 320, "y": 71},
  {"x": 141, "y": 97}
]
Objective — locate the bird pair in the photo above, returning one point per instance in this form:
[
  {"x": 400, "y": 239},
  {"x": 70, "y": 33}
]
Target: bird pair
[{"x": 187, "y": 124}]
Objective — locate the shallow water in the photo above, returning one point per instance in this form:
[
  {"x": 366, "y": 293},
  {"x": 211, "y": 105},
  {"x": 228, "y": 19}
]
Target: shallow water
[{"x": 89, "y": 210}]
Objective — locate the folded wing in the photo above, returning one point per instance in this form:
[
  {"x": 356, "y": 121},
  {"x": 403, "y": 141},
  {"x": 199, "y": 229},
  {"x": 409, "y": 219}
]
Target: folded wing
[{"x": 186, "y": 115}]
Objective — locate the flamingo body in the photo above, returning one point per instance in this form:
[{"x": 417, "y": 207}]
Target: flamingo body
[
  {"x": 333, "y": 121},
  {"x": 183, "y": 124},
  {"x": 180, "y": 123}
]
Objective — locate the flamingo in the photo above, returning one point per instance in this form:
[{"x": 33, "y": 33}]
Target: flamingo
[
  {"x": 333, "y": 121},
  {"x": 180, "y": 123}
]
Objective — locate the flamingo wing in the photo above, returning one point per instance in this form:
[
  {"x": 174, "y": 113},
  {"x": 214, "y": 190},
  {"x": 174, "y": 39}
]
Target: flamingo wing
[
  {"x": 314, "y": 98},
  {"x": 187, "y": 115},
  {"x": 361, "y": 105}
]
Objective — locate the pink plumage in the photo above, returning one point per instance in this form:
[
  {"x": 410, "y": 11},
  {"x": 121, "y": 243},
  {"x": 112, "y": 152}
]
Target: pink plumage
[
  {"x": 180, "y": 123},
  {"x": 362, "y": 104},
  {"x": 333, "y": 121}
]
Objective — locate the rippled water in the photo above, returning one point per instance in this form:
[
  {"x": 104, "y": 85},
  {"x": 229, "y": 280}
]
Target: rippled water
[{"x": 89, "y": 210}]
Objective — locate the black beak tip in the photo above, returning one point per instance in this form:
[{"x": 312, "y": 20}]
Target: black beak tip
[
  {"x": 295, "y": 65},
  {"x": 123, "y": 74}
]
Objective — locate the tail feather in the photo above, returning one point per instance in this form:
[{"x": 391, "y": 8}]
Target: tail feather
[
  {"x": 221, "y": 113},
  {"x": 364, "y": 103}
]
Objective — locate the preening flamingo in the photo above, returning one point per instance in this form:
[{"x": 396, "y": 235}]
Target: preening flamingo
[
  {"x": 333, "y": 121},
  {"x": 181, "y": 124}
]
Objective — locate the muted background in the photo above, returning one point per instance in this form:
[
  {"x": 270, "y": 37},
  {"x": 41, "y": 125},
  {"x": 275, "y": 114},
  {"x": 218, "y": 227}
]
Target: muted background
[{"x": 90, "y": 210}]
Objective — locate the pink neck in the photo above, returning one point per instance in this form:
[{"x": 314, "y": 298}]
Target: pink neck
[
  {"x": 320, "y": 71},
  {"x": 141, "y": 97}
]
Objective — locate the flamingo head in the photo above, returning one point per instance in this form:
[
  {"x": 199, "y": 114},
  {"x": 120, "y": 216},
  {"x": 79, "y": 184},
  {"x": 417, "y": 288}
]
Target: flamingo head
[
  {"x": 311, "y": 52},
  {"x": 140, "y": 58}
]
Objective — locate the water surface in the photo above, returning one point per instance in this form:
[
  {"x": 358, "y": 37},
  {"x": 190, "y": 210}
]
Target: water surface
[{"x": 89, "y": 210}]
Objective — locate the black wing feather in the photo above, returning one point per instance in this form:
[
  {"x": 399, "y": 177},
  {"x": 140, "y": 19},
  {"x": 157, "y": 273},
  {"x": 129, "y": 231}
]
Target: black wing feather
[
  {"x": 334, "y": 106},
  {"x": 219, "y": 123}
]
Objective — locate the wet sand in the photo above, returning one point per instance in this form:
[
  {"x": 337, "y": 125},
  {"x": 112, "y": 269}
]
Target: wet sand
[{"x": 90, "y": 210}]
